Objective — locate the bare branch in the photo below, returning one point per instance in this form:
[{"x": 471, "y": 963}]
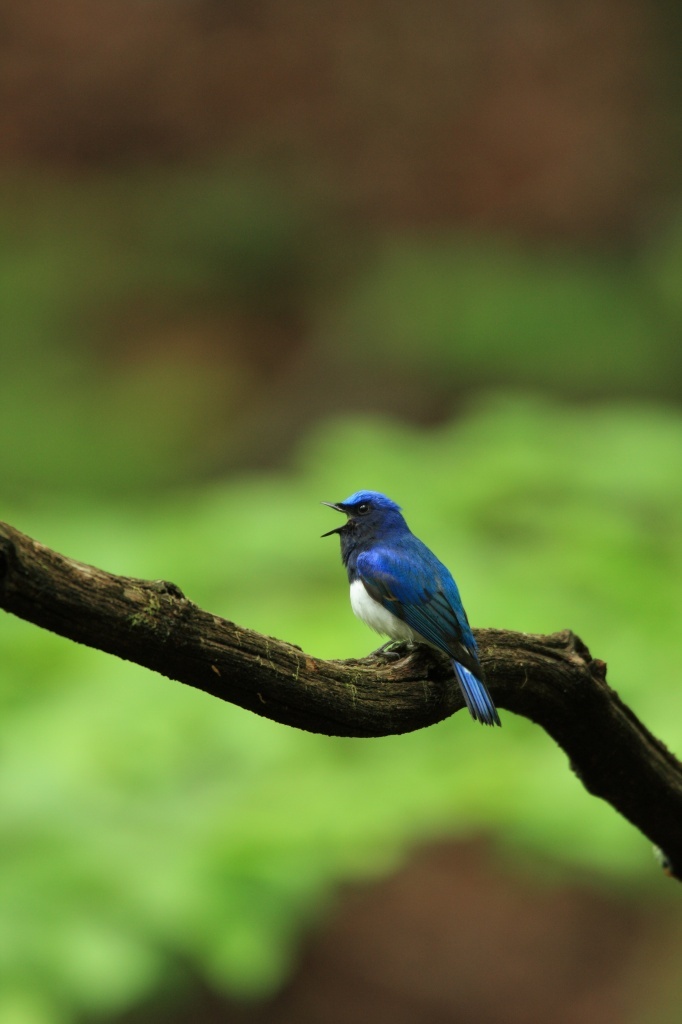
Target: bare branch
[{"x": 552, "y": 680}]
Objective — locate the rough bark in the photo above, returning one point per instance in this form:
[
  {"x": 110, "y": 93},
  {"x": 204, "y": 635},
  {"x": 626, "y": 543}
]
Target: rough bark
[{"x": 553, "y": 680}]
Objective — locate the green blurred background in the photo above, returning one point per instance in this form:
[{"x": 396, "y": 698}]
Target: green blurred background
[{"x": 254, "y": 256}]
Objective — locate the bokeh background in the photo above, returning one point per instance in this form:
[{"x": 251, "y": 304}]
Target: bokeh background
[{"x": 258, "y": 254}]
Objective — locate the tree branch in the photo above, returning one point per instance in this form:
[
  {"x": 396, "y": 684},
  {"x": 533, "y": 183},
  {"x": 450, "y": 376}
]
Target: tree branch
[{"x": 553, "y": 680}]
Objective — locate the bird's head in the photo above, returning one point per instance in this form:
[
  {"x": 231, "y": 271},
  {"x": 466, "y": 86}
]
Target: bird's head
[{"x": 367, "y": 512}]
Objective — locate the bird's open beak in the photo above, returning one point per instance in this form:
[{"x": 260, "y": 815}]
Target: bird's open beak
[{"x": 338, "y": 508}]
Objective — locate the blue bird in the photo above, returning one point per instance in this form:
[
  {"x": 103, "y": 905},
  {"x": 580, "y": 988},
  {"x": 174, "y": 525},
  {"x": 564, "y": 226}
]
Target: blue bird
[{"x": 399, "y": 588}]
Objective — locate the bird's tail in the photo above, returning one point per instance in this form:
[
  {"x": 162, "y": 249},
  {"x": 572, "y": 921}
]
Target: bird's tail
[{"x": 476, "y": 695}]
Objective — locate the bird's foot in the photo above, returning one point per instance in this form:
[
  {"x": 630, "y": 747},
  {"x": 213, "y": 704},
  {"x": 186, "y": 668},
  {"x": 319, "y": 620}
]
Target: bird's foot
[{"x": 394, "y": 649}]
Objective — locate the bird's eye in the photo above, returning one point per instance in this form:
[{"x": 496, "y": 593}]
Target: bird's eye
[{"x": 363, "y": 508}]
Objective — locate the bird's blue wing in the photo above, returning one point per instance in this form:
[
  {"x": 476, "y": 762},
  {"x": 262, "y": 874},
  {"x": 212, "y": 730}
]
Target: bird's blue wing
[{"x": 411, "y": 583}]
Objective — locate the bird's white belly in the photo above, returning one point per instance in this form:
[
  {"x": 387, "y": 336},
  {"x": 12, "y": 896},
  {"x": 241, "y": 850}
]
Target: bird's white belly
[{"x": 376, "y": 616}]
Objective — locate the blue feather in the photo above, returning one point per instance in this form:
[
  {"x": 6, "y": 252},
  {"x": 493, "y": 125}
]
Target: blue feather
[{"x": 477, "y": 698}]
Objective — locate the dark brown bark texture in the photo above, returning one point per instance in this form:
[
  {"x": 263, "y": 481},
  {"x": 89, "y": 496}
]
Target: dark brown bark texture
[{"x": 552, "y": 680}]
